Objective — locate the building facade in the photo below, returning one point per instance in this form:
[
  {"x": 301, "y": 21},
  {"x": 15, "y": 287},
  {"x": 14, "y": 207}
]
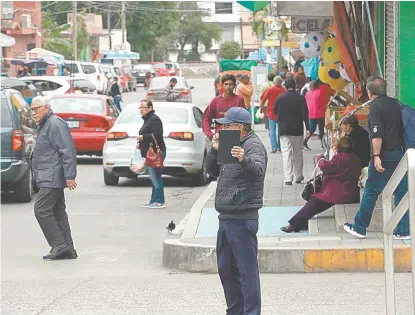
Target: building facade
[{"x": 21, "y": 20}]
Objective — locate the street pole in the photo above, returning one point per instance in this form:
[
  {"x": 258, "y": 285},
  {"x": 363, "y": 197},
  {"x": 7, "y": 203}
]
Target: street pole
[
  {"x": 123, "y": 21},
  {"x": 242, "y": 39},
  {"x": 74, "y": 31},
  {"x": 109, "y": 24}
]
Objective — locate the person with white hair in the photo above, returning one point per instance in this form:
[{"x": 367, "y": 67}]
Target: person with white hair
[{"x": 54, "y": 169}]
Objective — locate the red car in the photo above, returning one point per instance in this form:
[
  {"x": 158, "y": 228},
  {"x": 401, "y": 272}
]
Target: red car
[
  {"x": 89, "y": 117},
  {"x": 164, "y": 69}
]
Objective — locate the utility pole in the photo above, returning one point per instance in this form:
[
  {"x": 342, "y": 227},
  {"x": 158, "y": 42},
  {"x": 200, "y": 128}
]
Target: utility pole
[
  {"x": 242, "y": 38},
  {"x": 74, "y": 31},
  {"x": 109, "y": 24},
  {"x": 123, "y": 21}
]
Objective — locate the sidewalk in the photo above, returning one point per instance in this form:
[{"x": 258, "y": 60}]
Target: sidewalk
[{"x": 325, "y": 248}]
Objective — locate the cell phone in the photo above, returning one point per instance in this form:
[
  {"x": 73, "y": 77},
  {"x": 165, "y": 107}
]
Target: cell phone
[{"x": 228, "y": 138}]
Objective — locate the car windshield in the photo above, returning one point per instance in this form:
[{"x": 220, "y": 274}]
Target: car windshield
[
  {"x": 77, "y": 105},
  {"x": 159, "y": 65},
  {"x": 117, "y": 71},
  {"x": 162, "y": 82},
  {"x": 143, "y": 67},
  {"x": 168, "y": 115},
  {"x": 5, "y": 117},
  {"x": 73, "y": 67}
]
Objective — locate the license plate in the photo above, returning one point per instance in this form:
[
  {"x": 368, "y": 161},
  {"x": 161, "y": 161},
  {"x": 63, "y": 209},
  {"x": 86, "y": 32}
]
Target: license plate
[
  {"x": 141, "y": 74},
  {"x": 73, "y": 124}
]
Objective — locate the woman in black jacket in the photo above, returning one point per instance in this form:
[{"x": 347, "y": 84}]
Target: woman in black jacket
[{"x": 152, "y": 126}]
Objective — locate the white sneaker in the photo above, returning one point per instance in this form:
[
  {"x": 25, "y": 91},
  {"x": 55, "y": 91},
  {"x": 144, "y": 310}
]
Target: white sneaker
[
  {"x": 397, "y": 236},
  {"x": 157, "y": 206}
]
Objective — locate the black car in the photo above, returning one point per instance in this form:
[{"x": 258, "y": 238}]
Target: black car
[{"x": 18, "y": 136}]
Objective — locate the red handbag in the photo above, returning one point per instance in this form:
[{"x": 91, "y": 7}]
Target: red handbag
[{"x": 154, "y": 159}]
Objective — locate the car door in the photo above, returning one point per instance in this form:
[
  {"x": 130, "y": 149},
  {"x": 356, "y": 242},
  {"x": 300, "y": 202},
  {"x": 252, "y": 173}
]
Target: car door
[{"x": 112, "y": 111}]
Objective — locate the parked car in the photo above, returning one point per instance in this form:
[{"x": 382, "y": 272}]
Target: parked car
[
  {"x": 132, "y": 81},
  {"x": 89, "y": 117},
  {"x": 18, "y": 139},
  {"x": 27, "y": 89},
  {"x": 51, "y": 85},
  {"x": 140, "y": 71},
  {"x": 158, "y": 84},
  {"x": 164, "y": 69},
  {"x": 185, "y": 141},
  {"x": 90, "y": 71},
  {"x": 84, "y": 86}
]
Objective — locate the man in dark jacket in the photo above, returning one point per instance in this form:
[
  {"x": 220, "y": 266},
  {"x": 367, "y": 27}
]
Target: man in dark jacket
[
  {"x": 291, "y": 110},
  {"x": 116, "y": 93},
  {"x": 239, "y": 196},
  {"x": 54, "y": 169}
]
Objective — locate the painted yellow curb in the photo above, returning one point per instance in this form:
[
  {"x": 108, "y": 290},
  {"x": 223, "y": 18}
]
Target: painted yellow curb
[{"x": 354, "y": 260}]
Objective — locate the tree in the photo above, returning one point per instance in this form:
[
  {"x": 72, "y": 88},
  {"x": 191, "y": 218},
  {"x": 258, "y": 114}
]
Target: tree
[
  {"x": 230, "y": 49},
  {"x": 82, "y": 36},
  {"x": 51, "y": 36},
  {"x": 192, "y": 30}
]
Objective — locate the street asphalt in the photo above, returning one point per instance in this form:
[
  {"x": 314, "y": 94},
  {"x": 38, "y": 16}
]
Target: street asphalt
[{"x": 119, "y": 270}]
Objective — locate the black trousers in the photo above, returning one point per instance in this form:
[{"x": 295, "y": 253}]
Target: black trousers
[
  {"x": 314, "y": 206},
  {"x": 50, "y": 212}
]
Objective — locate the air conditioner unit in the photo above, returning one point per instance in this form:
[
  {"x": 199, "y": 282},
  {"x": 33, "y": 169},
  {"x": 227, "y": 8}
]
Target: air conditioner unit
[{"x": 26, "y": 21}]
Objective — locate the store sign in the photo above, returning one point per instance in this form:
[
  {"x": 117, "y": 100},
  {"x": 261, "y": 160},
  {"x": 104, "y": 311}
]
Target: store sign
[{"x": 305, "y": 24}]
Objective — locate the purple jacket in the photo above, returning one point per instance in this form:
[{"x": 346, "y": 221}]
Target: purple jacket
[{"x": 340, "y": 179}]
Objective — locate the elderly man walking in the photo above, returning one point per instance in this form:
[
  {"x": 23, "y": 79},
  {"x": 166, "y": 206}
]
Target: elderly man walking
[
  {"x": 54, "y": 169},
  {"x": 239, "y": 196}
]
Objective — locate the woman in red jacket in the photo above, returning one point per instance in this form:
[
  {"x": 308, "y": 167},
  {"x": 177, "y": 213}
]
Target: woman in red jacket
[{"x": 340, "y": 185}]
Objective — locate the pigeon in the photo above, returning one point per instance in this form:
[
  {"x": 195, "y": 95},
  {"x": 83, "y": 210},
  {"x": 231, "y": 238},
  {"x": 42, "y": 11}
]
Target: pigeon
[{"x": 171, "y": 227}]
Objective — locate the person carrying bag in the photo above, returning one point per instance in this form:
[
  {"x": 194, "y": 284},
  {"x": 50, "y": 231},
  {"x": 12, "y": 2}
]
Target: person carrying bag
[{"x": 153, "y": 149}]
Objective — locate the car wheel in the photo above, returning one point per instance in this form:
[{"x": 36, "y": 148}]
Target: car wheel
[
  {"x": 110, "y": 179},
  {"x": 202, "y": 178},
  {"x": 23, "y": 189}
]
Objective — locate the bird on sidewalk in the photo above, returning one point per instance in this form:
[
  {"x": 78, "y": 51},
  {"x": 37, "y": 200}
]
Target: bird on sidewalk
[{"x": 171, "y": 227}]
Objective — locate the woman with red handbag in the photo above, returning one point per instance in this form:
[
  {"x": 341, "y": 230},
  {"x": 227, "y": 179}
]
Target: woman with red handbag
[{"x": 153, "y": 149}]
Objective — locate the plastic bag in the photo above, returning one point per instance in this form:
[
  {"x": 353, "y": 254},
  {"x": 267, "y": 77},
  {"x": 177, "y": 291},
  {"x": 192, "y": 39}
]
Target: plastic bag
[
  {"x": 137, "y": 164},
  {"x": 259, "y": 115}
]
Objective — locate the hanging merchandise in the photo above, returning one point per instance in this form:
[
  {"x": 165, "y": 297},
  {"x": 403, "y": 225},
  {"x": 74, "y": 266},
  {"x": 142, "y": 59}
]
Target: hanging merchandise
[
  {"x": 331, "y": 51},
  {"x": 310, "y": 67},
  {"x": 329, "y": 73},
  {"x": 343, "y": 73},
  {"x": 311, "y": 44}
]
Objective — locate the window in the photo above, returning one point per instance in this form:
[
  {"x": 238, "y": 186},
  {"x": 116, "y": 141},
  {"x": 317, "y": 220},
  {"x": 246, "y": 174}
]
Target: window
[
  {"x": 77, "y": 105},
  {"x": 25, "y": 114},
  {"x": 168, "y": 115},
  {"x": 117, "y": 71},
  {"x": 6, "y": 120},
  {"x": 197, "y": 113},
  {"x": 88, "y": 69},
  {"x": 162, "y": 82},
  {"x": 223, "y": 7},
  {"x": 73, "y": 67},
  {"x": 46, "y": 85},
  {"x": 112, "y": 108}
]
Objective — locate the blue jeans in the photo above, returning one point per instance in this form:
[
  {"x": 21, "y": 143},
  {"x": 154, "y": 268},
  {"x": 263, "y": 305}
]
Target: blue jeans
[
  {"x": 117, "y": 102},
  {"x": 274, "y": 135},
  {"x": 236, "y": 250},
  {"x": 157, "y": 192},
  {"x": 375, "y": 184}
]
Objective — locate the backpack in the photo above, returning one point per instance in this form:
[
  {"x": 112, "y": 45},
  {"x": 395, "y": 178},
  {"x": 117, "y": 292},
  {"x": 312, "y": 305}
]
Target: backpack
[{"x": 408, "y": 119}]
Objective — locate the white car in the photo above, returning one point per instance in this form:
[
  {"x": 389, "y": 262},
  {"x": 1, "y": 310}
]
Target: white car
[
  {"x": 51, "y": 85},
  {"x": 185, "y": 141},
  {"x": 90, "y": 71}
]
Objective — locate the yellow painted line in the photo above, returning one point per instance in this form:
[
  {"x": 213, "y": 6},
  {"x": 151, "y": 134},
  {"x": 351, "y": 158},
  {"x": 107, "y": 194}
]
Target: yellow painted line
[{"x": 370, "y": 259}]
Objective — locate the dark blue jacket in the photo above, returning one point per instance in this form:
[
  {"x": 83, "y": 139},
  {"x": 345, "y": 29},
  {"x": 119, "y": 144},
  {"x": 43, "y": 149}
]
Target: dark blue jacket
[
  {"x": 54, "y": 157},
  {"x": 240, "y": 187}
]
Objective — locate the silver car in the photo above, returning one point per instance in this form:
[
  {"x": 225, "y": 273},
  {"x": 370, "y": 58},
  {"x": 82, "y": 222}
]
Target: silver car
[
  {"x": 156, "y": 91},
  {"x": 185, "y": 142}
]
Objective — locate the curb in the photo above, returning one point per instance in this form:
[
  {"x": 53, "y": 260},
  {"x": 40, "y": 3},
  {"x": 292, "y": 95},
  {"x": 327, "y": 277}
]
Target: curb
[{"x": 202, "y": 258}]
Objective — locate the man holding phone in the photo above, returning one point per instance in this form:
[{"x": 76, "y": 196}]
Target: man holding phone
[{"x": 239, "y": 196}]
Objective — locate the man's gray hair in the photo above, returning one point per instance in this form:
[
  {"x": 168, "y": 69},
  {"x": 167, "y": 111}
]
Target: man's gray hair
[
  {"x": 43, "y": 101},
  {"x": 376, "y": 86},
  {"x": 278, "y": 80}
]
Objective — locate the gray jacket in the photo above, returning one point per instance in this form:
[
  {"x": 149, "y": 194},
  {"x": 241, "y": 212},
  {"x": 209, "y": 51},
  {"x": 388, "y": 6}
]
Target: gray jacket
[
  {"x": 240, "y": 187},
  {"x": 54, "y": 157}
]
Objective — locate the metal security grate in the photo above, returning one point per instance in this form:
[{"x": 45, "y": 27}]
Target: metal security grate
[{"x": 391, "y": 51}]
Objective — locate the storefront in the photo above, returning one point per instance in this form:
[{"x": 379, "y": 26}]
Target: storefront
[{"x": 396, "y": 43}]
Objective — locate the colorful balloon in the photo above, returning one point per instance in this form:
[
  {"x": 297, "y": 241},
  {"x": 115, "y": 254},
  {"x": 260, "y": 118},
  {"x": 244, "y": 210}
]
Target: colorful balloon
[
  {"x": 329, "y": 73},
  {"x": 311, "y": 45},
  {"x": 331, "y": 51}
]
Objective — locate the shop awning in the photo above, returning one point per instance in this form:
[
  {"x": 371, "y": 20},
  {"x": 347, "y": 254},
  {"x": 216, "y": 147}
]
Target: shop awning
[
  {"x": 7, "y": 41},
  {"x": 47, "y": 56},
  {"x": 110, "y": 54}
]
